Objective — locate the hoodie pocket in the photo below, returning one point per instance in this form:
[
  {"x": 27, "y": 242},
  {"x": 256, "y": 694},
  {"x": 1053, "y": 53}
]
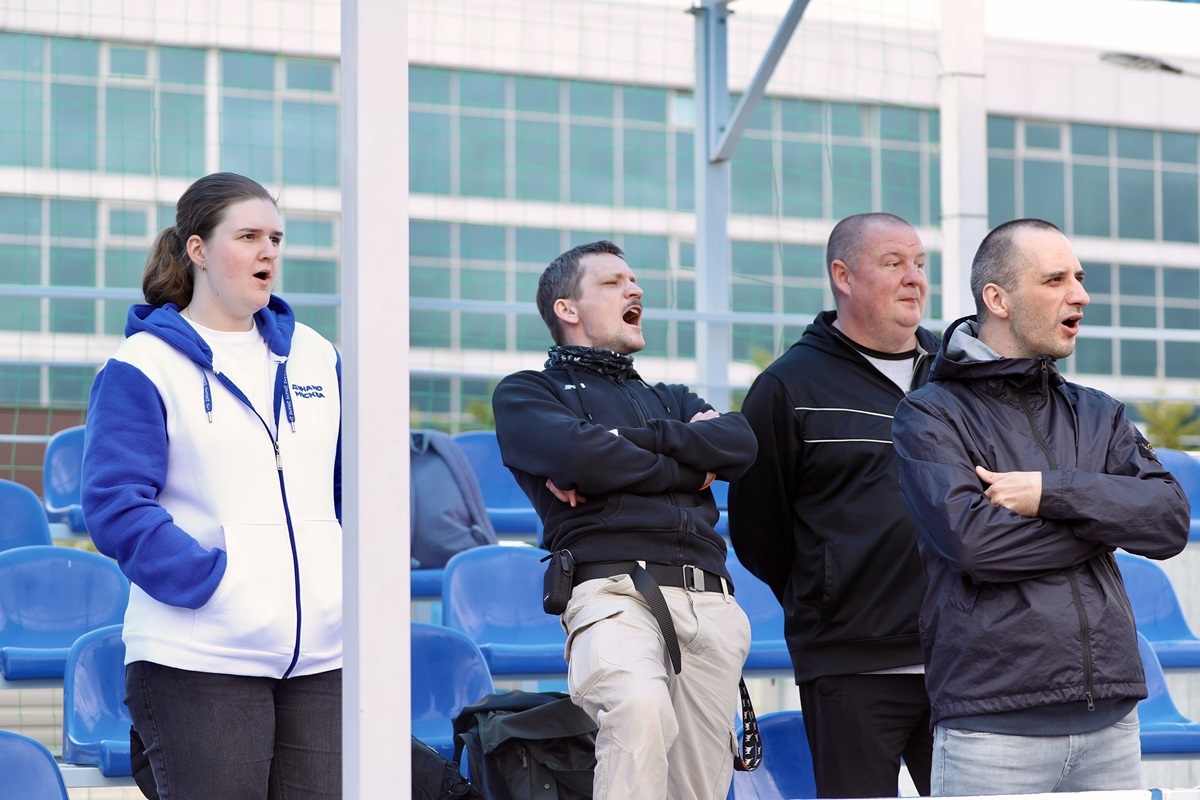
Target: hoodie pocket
[
  {"x": 254, "y": 606},
  {"x": 319, "y": 549}
]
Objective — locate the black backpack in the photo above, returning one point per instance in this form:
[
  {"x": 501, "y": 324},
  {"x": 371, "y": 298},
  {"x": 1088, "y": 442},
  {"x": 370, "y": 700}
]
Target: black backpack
[
  {"x": 527, "y": 746},
  {"x": 446, "y": 506},
  {"x": 435, "y": 778}
]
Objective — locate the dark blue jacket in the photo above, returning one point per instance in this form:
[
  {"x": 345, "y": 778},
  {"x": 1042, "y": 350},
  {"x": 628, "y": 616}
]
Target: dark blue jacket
[
  {"x": 1023, "y": 612},
  {"x": 642, "y": 486}
]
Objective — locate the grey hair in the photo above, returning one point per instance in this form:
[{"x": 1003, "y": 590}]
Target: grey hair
[{"x": 846, "y": 238}]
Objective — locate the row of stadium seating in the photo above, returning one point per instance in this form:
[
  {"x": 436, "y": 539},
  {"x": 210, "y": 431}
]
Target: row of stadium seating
[
  {"x": 450, "y": 671},
  {"x": 61, "y": 611}
]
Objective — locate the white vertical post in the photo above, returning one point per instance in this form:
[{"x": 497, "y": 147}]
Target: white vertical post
[
  {"x": 964, "y": 150},
  {"x": 712, "y": 202},
  {"x": 375, "y": 426}
]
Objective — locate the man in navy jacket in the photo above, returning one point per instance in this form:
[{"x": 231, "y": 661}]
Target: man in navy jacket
[
  {"x": 1022, "y": 485},
  {"x": 619, "y": 470}
]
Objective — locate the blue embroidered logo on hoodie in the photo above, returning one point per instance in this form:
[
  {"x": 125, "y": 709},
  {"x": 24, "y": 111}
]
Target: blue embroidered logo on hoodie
[{"x": 308, "y": 390}]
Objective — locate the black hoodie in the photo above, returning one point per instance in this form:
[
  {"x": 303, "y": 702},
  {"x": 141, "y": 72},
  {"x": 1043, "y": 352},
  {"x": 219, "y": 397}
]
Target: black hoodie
[
  {"x": 819, "y": 516},
  {"x": 642, "y": 485}
]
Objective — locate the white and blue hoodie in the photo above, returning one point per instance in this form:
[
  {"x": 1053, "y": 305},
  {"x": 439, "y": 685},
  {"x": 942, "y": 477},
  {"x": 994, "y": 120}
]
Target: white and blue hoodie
[{"x": 230, "y": 535}]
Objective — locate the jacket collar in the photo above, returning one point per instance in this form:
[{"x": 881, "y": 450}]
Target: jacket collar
[{"x": 963, "y": 356}]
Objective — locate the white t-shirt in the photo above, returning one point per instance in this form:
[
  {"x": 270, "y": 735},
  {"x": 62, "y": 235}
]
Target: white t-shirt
[{"x": 244, "y": 358}]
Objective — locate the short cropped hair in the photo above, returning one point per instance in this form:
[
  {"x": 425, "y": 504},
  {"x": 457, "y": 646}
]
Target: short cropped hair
[
  {"x": 999, "y": 260},
  {"x": 561, "y": 280},
  {"x": 845, "y": 240}
]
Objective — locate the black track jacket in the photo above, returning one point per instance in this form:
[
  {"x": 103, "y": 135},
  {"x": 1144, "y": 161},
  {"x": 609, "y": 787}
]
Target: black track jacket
[{"x": 819, "y": 516}]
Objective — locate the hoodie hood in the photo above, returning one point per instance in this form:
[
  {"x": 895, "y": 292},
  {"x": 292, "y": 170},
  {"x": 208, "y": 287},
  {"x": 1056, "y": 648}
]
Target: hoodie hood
[
  {"x": 276, "y": 323},
  {"x": 963, "y": 356}
]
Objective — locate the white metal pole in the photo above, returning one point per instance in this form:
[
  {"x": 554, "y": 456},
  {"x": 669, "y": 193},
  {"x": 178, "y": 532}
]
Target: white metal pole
[
  {"x": 964, "y": 150},
  {"x": 375, "y": 426}
]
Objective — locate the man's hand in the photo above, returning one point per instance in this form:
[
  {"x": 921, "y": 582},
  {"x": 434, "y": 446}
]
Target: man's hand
[
  {"x": 1019, "y": 492},
  {"x": 571, "y": 496}
]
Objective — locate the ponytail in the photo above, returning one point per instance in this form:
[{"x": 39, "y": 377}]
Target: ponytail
[{"x": 168, "y": 274}]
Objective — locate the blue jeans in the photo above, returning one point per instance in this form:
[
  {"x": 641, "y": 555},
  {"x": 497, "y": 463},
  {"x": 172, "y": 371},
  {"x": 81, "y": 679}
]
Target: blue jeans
[
  {"x": 230, "y": 737},
  {"x": 975, "y": 763}
]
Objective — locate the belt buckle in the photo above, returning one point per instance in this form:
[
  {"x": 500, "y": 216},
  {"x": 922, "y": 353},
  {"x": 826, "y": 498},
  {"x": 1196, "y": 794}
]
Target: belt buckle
[{"x": 693, "y": 578}]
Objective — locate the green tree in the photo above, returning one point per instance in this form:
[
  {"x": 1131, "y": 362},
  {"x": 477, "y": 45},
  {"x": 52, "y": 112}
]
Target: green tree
[{"x": 1169, "y": 422}]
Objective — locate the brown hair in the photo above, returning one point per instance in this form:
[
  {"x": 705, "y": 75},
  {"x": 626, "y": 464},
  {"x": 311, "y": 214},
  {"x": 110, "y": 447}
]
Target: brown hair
[
  {"x": 561, "y": 280},
  {"x": 168, "y": 275}
]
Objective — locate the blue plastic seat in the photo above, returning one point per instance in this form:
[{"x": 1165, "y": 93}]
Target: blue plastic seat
[
  {"x": 49, "y": 597},
  {"x": 1157, "y": 612},
  {"x": 768, "y": 648},
  {"x": 448, "y": 673},
  {"x": 493, "y": 594},
  {"x": 1186, "y": 470},
  {"x": 30, "y": 771},
  {"x": 22, "y": 518},
  {"x": 1165, "y": 732},
  {"x": 425, "y": 583},
  {"x": 61, "y": 478},
  {"x": 786, "y": 770},
  {"x": 508, "y": 508},
  {"x": 95, "y": 720},
  {"x": 720, "y": 490}
]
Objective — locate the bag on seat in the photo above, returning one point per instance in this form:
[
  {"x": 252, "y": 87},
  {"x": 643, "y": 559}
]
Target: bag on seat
[
  {"x": 435, "y": 778},
  {"x": 528, "y": 746},
  {"x": 446, "y": 506}
]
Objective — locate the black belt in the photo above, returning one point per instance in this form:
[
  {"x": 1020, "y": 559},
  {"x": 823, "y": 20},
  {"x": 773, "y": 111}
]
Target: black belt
[
  {"x": 647, "y": 580},
  {"x": 686, "y": 577}
]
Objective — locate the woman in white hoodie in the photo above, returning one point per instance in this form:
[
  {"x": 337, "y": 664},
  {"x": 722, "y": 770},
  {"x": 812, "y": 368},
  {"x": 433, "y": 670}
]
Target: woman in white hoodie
[{"x": 212, "y": 474}]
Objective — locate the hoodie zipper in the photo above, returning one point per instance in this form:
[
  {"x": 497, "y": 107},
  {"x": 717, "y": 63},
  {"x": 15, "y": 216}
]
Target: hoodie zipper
[
  {"x": 1085, "y": 633},
  {"x": 1037, "y": 433},
  {"x": 281, "y": 388},
  {"x": 643, "y": 420}
]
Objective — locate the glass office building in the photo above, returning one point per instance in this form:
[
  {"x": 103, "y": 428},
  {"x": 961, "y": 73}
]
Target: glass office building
[{"x": 516, "y": 154}]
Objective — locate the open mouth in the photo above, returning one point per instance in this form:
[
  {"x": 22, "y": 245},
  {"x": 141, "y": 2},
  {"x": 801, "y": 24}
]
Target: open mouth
[
  {"x": 263, "y": 275},
  {"x": 1071, "y": 323},
  {"x": 632, "y": 315}
]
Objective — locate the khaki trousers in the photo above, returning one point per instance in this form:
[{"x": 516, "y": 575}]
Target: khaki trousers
[{"x": 661, "y": 735}]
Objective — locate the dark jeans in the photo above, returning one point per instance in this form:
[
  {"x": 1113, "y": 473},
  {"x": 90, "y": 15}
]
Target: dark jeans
[
  {"x": 229, "y": 737},
  {"x": 859, "y": 726}
]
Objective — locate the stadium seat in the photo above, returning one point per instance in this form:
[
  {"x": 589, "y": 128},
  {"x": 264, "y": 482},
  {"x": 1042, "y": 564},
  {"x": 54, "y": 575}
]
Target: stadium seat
[
  {"x": 30, "y": 771},
  {"x": 1165, "y": 732},
  {"x": 49, "y": 597},
  {"x": 22, "y": 518},
  {"x": 768, "y": 649},
  {"x": 1186, "y": 470},
  {"x": 1157, "y": 612},
  {"x": 493, "y": 594},
  {"x": 95, "y": 720},
  {"x": 720, "y": 490},
  {"x": 508, "y": 508},
  {"x": 448, "y": 673},
  {"x": 61, "y": 478},
  {"x": 425, "y": 583},
  {"x": 786, "y": 770}
]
